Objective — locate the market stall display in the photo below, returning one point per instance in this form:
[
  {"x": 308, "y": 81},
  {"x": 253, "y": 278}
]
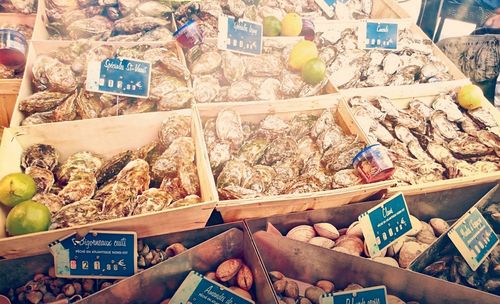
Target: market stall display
[
  {"x": 135, "y": 158},
  {"x": 54, "y": 88},
  {"x": 432, "y": 140},
  {"x": 18, "y": 6}
]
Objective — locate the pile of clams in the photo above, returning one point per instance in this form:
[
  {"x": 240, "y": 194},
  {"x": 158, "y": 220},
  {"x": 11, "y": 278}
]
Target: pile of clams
[
  {"x": 307, "y": 153},
  {"x": 47, "y": 288},
  {"x": 58, "y": 80},
  {"x": 234, "y": 274},
  {"x": 86, "y": 188},
  {"x": 220, "y": 76},
  {"x": 111, "y": 20},
  {"x": 206, "y": 13},
  {"x": 350, "y": 240},
  {"x": 9, "y": 72},
  {"x": 448, "y": 264},
  {"x": 289, "y": 293},
  {"x": 18, "y": 6},
  {"x": 432, "y": 143},
  {"x": 349, "y": 65}
]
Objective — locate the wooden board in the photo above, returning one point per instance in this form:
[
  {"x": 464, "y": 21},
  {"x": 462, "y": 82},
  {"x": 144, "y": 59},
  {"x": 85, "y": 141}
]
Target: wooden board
[
  {"x": 106, "y": 137},
  {"x": 7, "y": 103},
  {"x": 43, "y": 47},
  {"x": 383, "y": 9},
  {"x": 401, "y": 101},
  {"x": 233, "y": 210}
]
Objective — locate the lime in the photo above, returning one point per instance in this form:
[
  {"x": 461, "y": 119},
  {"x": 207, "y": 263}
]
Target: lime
[
  {"x": 470, "y": 97},
  {"x": 272, "y": 26},
  {"x": 28, "y": 217},
  {"x": 291, "y": 25},
  {"x": 16, "y": 188},
  {"x": 301, "y": 53},
  {"x": 313, "y": 72}
]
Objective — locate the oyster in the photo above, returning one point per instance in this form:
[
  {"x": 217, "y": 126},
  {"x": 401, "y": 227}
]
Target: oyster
[
  {"x": 234, "y": 173},
  {"x": 346, "y": 178},
  {"x": 88, "y": 105},
  {"x": 265, "y": 65},
  {"x": 445, "y": 103},
  {"x": 66, "y": 110},
  {"x": 112, "y": 167},
  {"x": 324, "y": 122},
  {"x": 240, "y": 91},
  {"x": 44, "y": 178},
  {"x": 53, "y": 202},
  {"x": 178, "y": 99},
  {"x": 207, "y": 63},
  {"x": 416, "y": 150},
  {"x": 153, "y": 9},
  {"x": 404, "y": 134},
  {"x": 251, "y": 151},
  {"x": 443, "y": 126},
  {"x": 206, "y": 88},
  {"x": 438, "y": 152},
  {"x": 133, "y": 24},
  {"x": 78, "y": 213},
  {"x": 174, "y": 188},
  {"x": 421, "y": 108},
  {"x": 233, "y": 66},
  {"x": 228, "y": 127},
  {"x": 78, "y": 162},
  {"x": 41, "y": 102},
  {"x": 468, "y": 146},
  {"x": 489, "y": 139},
  {"x": 40, "y": 155},
  {"x": 81, "y": 185},
  {"x": 94, "y": 27},
  {"x": 279, "y": 149},
  {"x": 269, "y": 89},
  {"x": 181, "y": 151},
  {"x": 151, "y": 200},
  {"x": 172, "y": 128},
  {"x": 189, "y": 178},
  {"x": 483, "y": 117},
  {"x": 469, "y": 126}
]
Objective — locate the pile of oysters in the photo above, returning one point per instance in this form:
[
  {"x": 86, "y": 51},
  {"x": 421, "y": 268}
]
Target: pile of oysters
[
  {"x": 18, "y": 6},
  {"x": 288, "y": 290},
  {"x": 87, "y": 188},
  {"x": 350, "y": 240},
  {"x": 432, "y": 143},
  {"x": 352, "y": 66},
  {"x": 206, "y": 13},
  {"x": 58, "y": 80},
  {"x": 111, "y": 20},
  {"x": 220, "y": 76},
  {"x": 307, "y": 153}
]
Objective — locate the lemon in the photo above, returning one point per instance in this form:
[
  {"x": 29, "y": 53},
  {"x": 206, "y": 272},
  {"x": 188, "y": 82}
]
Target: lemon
[
  {"x": 313, "y": 72},
  {"x": 28, "y": 217},
  {"x": 301, "y": 53},
  {"x": 272, "y": 26},
  {"x": 16, "y": 188},
  {"x": 291, "y": 25},
  {"x": 470, "y": 97}
]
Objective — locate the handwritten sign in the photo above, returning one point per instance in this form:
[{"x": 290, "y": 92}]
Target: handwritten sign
[
  {"x": 328, "y": 6},
  {"x": 198, "y": 289},
  {"x": 385, "y": 223},
  {"x": 119, "y": 76},
  {"x": 240, "y": 36},
  {"x": 473, "y": 237},
  {"x": 372, "y": 295},
  {"x": 99, "y": 254},
  {"x": 380, "y": 35}
]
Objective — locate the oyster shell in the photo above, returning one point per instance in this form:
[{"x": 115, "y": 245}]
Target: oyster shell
[
  {"x": 280, "y": 149},
  {"x": 81, "y": 186},
  {"x": 151, "y": 200},
  {"x": 251, "y": 151},
  {"x": 40, "y": 155},
  {"x": 483, "y": 117},
  {"x": 445, "y": 103},
  {"x": 443, "y": 126},
  {"x": 95, "y": 27},
  {"x": 327, "y": 230},
  {"x": 438, "y": 152},
  {"x": 233, "y": 66},
  {"x": 153, "y": 9},
  {"x": 229, "y": 128},
  {"x": 420, "y": 108},
  {"x": 189, "y": 178},
  {"x": 50, "y": 200},
  {"x": 206, "y": 88},
  {"x": 111, "y": 167},
  {"x": 66, "y": 110},
  {"x": 468, "y": 146},
  {"x": 240, "y": 91},
  {"x": 41, "y": 102},
  {"x": 207, "y": 63},
  {"x": 78, "y": 162},
  {"x": 234, "y": 173},
  {"x": 133, "y": 24},
  {"x": 44, "y": 178},
  {"x": 181, "y": 151},
  {"x": 346, "y": 178},
  {"x": 269, "y": 89},
  {"x": 78, "y": 213},
  {"x": 173, "y": 127},
  {"x": 88, "y": 105}
]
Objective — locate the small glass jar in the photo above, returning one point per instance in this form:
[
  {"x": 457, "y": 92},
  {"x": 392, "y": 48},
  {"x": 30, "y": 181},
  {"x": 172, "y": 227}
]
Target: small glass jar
[
  {"x": 13, "y": 48},
  {"x": 189, "y": 35},
  {"x": 373, "y": 164}
]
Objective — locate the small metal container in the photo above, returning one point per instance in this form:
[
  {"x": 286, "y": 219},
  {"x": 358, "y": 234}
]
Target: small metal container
[{"x": 13, "y": 48}]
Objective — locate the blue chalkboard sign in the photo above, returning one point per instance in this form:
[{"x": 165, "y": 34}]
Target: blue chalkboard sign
[
  {"x": 99, "y": 254},
  {"x": 376, "y": 295},
  {"x": 473, "y": 237},
  {"x": 196, "y": 289},
  {"x": 240, "y": 36},
  {"x": 381, "y": 35},
  {"x": 119, "y": 76},
  {"x": 385, "y": 223}
]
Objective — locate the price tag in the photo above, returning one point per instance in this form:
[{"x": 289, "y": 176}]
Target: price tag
[
  {"x": 99, "y": 254},
  {"x": 328, "y": 6},
  {"x": 373, "y": 295},
  {"x": 119, "y": 76},
  {"x": 240, "y": 36},
  {"x": 473, "y": 237},
  {"x": 385, "y": 223},
  {"x": 379, "y": 35},
  {"x": 198, "y": 289}
]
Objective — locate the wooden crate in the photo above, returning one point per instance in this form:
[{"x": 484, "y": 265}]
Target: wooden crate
[
  {"x": 106, "y": 137},
  {"x": 401, "y": 101},
  {"x": 233, "y": 210},
  {"x": 459, "y": 77},
  {"x": 43, "y": 47}
]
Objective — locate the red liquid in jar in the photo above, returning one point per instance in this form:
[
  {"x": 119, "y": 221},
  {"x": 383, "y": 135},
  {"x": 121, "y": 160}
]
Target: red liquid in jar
[
  {"x": 13, "y": 47},
  {"x": 374, "y": 164}
]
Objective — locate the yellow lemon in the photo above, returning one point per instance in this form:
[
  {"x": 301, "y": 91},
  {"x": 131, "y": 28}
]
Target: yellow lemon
[
  {"x": 291, "y": 25},
  {"x": 470, "y": 97},
  {"x": 313, "y": 72},
  {"x": 301, "y": 53}
]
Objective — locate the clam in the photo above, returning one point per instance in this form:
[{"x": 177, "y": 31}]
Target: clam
[
  {"x": 416, "y": 225},
  {"x": 303, "y": 233},
  {"x": 355, "y": 230},
  {"x": 354, "y": 245},
  {"x": 387, "y": 261},
  {"x": 409, "y": 252},
  {"x": 439, "y": 226},
  {"x": 322, "y": 242},
  {"x": 327, "y": 230}
]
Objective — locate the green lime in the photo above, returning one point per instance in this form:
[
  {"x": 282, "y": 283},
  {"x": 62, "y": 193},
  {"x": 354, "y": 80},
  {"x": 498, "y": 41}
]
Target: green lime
[
  {"x": 16, "y": 188},
  {"x": 28, "y": 217},
  {"x": 313, "y": 72},
  {"x": 272, "y": 26}
]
